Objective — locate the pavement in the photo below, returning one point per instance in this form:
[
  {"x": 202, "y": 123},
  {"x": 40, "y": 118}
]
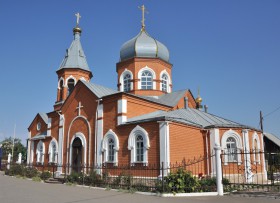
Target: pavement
[{"x": 14, "y": 190}]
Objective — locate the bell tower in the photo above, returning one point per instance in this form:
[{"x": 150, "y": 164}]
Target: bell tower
[{"x": 74, "y": 67}]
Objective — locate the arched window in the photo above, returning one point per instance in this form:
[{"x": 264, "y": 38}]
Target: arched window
[
  {"x": 126, "y": 83},
  {"x": 53, "y": 151},
  {"x": 164, "y": 83},
  {"x": 60, "y": 90},
  {"x": 256, "y": 148},
  {"x": 231, "y": 144},
  {"x": 231, "y": 149},
  {"x": 110, "y": 147},
  {"x": 146, "y": 80},
  {"x": 139, "y": 148},
  {"x": 40, "y": 152},
  {"x": 139, "y": 144},
  {"x": 70, "y": 85}
]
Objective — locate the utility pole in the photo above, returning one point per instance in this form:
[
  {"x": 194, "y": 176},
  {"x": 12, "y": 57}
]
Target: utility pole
[{"x": 261, "y": 120}]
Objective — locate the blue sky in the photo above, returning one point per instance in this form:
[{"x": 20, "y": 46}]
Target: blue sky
[{"x": 230, "y": 49}]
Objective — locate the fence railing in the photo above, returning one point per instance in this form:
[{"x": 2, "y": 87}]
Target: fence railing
[
  {"x": 140, "y": 177},
  {"x": 251, "y": 170}
]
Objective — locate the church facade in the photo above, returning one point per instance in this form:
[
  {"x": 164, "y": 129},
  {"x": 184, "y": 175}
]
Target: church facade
[{"x": 142, "y": 122}]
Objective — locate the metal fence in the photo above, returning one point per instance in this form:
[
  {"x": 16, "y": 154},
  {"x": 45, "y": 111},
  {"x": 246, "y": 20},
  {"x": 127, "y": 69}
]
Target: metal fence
[
  {"x": 138, "y": 177},
  {"x": 254, "y": 170}
]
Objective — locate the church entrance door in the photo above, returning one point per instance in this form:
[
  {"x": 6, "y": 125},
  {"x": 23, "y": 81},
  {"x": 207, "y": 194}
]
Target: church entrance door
[{"x": 77, "y": 155}]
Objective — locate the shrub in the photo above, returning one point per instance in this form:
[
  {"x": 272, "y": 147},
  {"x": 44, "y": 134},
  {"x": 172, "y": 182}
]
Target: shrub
[
  {"x": 15, "y": 170},
  {"x": 93, "y": 179},
  {"x": 179, "y": 182},
  {"x": 75, "y": 177},
  {"x": 30, "y": 172},
  {"x": 45, "y": 175}
]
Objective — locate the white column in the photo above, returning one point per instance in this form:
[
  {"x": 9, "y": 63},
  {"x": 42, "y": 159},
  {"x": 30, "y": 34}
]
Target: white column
[
  {"x": 49, "y": 126},
  {"x": 247, "y": 157},
  {"x": 214, "y": 139},
  {"x": 99, "y": 134},
  {"x": 9, "y": 161},
  {"x": 122, "y": 110},
  {"x": 219, "y": 176},
  {"x": 60, "y": 144},
  {"x": 29, "y": 148},
  {"x": 164, "y": 145}
]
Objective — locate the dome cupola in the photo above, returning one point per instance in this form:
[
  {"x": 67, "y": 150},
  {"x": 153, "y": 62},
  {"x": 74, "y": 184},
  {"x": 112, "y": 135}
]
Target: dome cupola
[{"x": 143, "y": 45}]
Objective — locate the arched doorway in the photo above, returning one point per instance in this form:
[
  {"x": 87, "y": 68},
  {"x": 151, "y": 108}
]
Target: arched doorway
[{"x": 77, "y": 155}]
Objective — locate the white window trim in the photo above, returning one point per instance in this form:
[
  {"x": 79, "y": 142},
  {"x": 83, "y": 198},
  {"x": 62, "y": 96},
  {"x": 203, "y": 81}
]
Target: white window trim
[
  {"x": 38, "y": 152},
  {"x": 146, "y": 68},
  {"x": 84, "y": 144},
  {"x": 70, "y": 77},
  {"x": 51, "y": 150},
  {"x": 168, "y": 81},
  {"x": 105, "y": 146},
  {"x": 256, "y": 154},
  {"x": 122, "y": 77},
  {"x": 58, "y": 84},
  {"x": 237, "y": 137},
  {"x": 132, "y": 144}
]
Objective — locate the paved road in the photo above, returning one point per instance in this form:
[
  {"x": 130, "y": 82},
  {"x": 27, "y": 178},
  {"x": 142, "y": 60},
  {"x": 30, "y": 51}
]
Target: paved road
[{"x": 15, "y": 190}]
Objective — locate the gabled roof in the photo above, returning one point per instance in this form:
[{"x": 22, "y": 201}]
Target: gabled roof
[
  {"x": 44, "y": 116},
  {"x": 99, "y": 90},
  {"x": 188, "y": 116}
]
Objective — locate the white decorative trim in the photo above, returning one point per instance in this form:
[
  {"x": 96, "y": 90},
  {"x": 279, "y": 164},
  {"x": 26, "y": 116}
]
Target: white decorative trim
[
  {"x": 70, "y": 77},
  {"x": 49, "y": 126},
  {"x": 38, "y": 154},
  {"x": 68, "y": 144},
  {"x": 164, "y": 145},
  {"x": 58, "y": 84},
  {"x": 169, "y": 82},
  {"x": 83, "y": 79},
  {"x": 110, "y": 134},
  {"x": 122, "y": 108},
  {"x": 121, "y": 79},
  {"x": 146, "y": 68},
  {"x": 54, "y": 141},
  {"x": 31, "y": 152},
  {"x": 214, "y": 141},
  {"x": 237, "y": 137},
  {"x": 84, "y": 144},
  {"x": 132, "y": 142},
  {"x": 256, "y": 152}
]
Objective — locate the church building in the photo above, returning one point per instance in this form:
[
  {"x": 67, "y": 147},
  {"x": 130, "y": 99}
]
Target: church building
[{"x": 144, "y": 121}]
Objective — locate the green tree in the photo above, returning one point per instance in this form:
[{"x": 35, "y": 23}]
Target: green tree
[{"x": 7, "y": 146}]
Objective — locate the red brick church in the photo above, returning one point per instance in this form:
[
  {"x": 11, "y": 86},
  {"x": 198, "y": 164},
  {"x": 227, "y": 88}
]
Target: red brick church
[{"x": 143, "y": 122}]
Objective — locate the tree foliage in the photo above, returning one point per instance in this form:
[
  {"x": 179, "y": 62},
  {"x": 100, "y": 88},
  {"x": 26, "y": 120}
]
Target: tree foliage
[{"x": 7, "y": 146}]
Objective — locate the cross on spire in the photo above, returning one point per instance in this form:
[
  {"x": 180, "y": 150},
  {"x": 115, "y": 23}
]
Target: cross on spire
[
  {"x": 144, "y": 10},
  {"x": 78, "y": 18},
  {"x": 79, "y": 108}
]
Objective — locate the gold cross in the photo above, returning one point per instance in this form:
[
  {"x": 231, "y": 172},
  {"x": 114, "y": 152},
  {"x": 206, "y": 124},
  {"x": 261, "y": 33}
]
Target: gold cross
[
  {"x": 78, "y": 18},
  {"x": 144, "y": 10}
]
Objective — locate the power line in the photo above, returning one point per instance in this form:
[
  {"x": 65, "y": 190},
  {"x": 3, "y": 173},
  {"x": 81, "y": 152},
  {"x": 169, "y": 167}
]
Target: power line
[{"x": 272, "y": 112}]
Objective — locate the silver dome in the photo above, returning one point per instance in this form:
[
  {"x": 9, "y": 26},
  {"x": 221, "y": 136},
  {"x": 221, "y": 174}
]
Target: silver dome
[{"x": 144, "y": 46}]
